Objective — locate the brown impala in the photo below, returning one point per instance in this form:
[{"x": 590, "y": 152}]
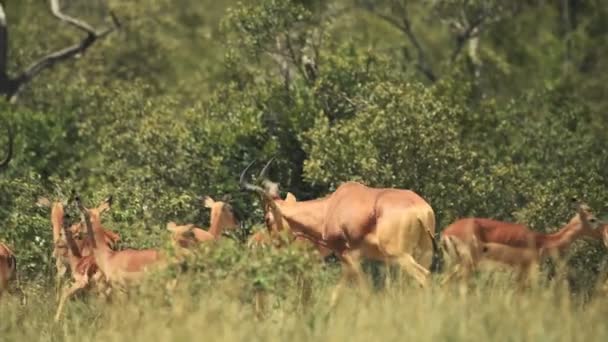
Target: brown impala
[{"x": 471, "y": 240}]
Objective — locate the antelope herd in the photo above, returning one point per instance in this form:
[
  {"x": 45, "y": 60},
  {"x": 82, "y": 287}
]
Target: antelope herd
[{"x": 355, "y": 222}]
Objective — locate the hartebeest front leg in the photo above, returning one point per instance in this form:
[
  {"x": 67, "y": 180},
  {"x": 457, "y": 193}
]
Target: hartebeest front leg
[{"x": 351, "y": 268}]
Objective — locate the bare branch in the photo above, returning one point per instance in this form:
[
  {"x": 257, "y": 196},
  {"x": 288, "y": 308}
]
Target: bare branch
[
  {"x": 15, "y": 85},
  {"x": 3, "y": 43},
  {"x": 405, "y": 27},
  {"x": 471, "y": 32}
]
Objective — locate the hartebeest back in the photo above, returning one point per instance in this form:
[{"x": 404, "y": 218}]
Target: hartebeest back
[
  {"x": 357, "y": 221},
  {"x": 119, "y": 267},
  {"x": 221, "y": 219},
  {"x": 471, "y": 240}
]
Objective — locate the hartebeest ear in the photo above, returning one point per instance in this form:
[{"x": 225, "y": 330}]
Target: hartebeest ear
[
  {"x": 105, "y": 205},
  {"x": 171, "y": 226},
  {"x": 208, "y": 202},
  {"x": 290, "y": 198}
]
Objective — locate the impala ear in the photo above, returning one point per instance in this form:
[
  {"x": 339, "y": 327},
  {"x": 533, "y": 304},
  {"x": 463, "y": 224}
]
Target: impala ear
[
  {"x": 43, "y": 202},
  {"x": 290, "y": 198},
  {"x": 208, "y": 202},
  {"x": 105, "y": 205}
]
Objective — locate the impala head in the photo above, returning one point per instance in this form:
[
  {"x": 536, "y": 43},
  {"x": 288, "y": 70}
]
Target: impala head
[
  {"x": 222, "y": 214},
  {"x": 182, "y": 235},
  {"x": 9, "y": 149},
  {"x": 584, "y": 219}
]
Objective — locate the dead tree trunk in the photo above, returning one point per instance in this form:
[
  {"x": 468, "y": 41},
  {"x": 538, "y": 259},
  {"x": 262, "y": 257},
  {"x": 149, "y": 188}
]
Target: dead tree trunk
[{"x": 11, "y": 86}]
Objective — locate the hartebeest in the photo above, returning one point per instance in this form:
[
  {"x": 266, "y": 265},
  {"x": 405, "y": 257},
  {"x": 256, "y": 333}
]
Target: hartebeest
[
  {"x": 356, "y": 221},
  {"x": 469, "y": 241},
  {"x": 221, "y": 219},
  {"x": 119, "y": 267}
]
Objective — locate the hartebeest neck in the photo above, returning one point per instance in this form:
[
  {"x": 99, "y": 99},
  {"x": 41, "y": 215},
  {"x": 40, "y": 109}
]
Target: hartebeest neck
[{"x": 306, "y": 217}]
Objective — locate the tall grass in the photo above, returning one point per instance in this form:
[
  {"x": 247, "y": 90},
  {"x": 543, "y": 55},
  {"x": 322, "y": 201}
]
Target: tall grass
[{"x": 212, "y": 300}]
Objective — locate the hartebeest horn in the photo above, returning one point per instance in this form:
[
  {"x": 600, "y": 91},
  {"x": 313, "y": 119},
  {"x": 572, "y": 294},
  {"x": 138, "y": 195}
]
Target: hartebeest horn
[
  {"x": 9, "y": 153},
  {"x": 262, "y": 174},
  {"x": 248, "y": 186}
]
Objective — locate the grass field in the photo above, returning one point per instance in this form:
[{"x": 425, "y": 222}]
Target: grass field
[{"x": 214, "y": 300}]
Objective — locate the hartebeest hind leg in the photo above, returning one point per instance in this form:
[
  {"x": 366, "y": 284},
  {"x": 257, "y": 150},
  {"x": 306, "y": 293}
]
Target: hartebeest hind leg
[{"x": 417, "y": 271}]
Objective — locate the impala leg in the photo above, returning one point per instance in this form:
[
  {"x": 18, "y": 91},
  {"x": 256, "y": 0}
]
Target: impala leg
[
  {"x": 61, "y": 270},
  {"x": 68, "y": 292}
]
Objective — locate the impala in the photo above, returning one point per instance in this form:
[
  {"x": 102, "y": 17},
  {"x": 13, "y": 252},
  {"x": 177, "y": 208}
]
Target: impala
[
  {"x": 356, "y": 221},
  {"x": 9, "y": 150},
  {"x": 221, "y": 219},
  {"x": 8, "y": 266},
  {"x": 84, "y": 270},
  {"x": 61, "y": 251},
  {"x": 8, "y": 263},
  {"x": 119, "y": 267},
  {"x": 471, "y": 240}
]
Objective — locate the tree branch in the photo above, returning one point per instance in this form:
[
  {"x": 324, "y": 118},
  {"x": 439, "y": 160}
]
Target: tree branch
[
  {"x": 471, "y": 31},
  {"x": 3, "y": 43},
  {"x": 52, "y": 58},
  {"x": 405, "y": 27}
]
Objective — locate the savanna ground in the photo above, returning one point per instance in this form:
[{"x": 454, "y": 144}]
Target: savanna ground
[
  {"x": 214, "y": 298},
  {"x": 484, "y": 108}
]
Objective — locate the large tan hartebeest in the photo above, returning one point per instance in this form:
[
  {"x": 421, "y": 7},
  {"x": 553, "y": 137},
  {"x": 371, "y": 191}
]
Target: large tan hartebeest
[
  {"x": 469, "y": 241},
  {"x": 123, "y": 267},
  {"x": 356, "y": 221},
  {"x": 221, "y": 219}
]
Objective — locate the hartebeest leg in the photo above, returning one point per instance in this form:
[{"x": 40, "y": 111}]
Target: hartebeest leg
[
  {"x": 351, "y": 268},
  {"x": 409, "y": 265}
]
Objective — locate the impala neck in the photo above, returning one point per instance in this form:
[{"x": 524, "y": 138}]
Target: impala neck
[
  {"x": 561, "y": 239},
  {"x": 217, "y": 225}
]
